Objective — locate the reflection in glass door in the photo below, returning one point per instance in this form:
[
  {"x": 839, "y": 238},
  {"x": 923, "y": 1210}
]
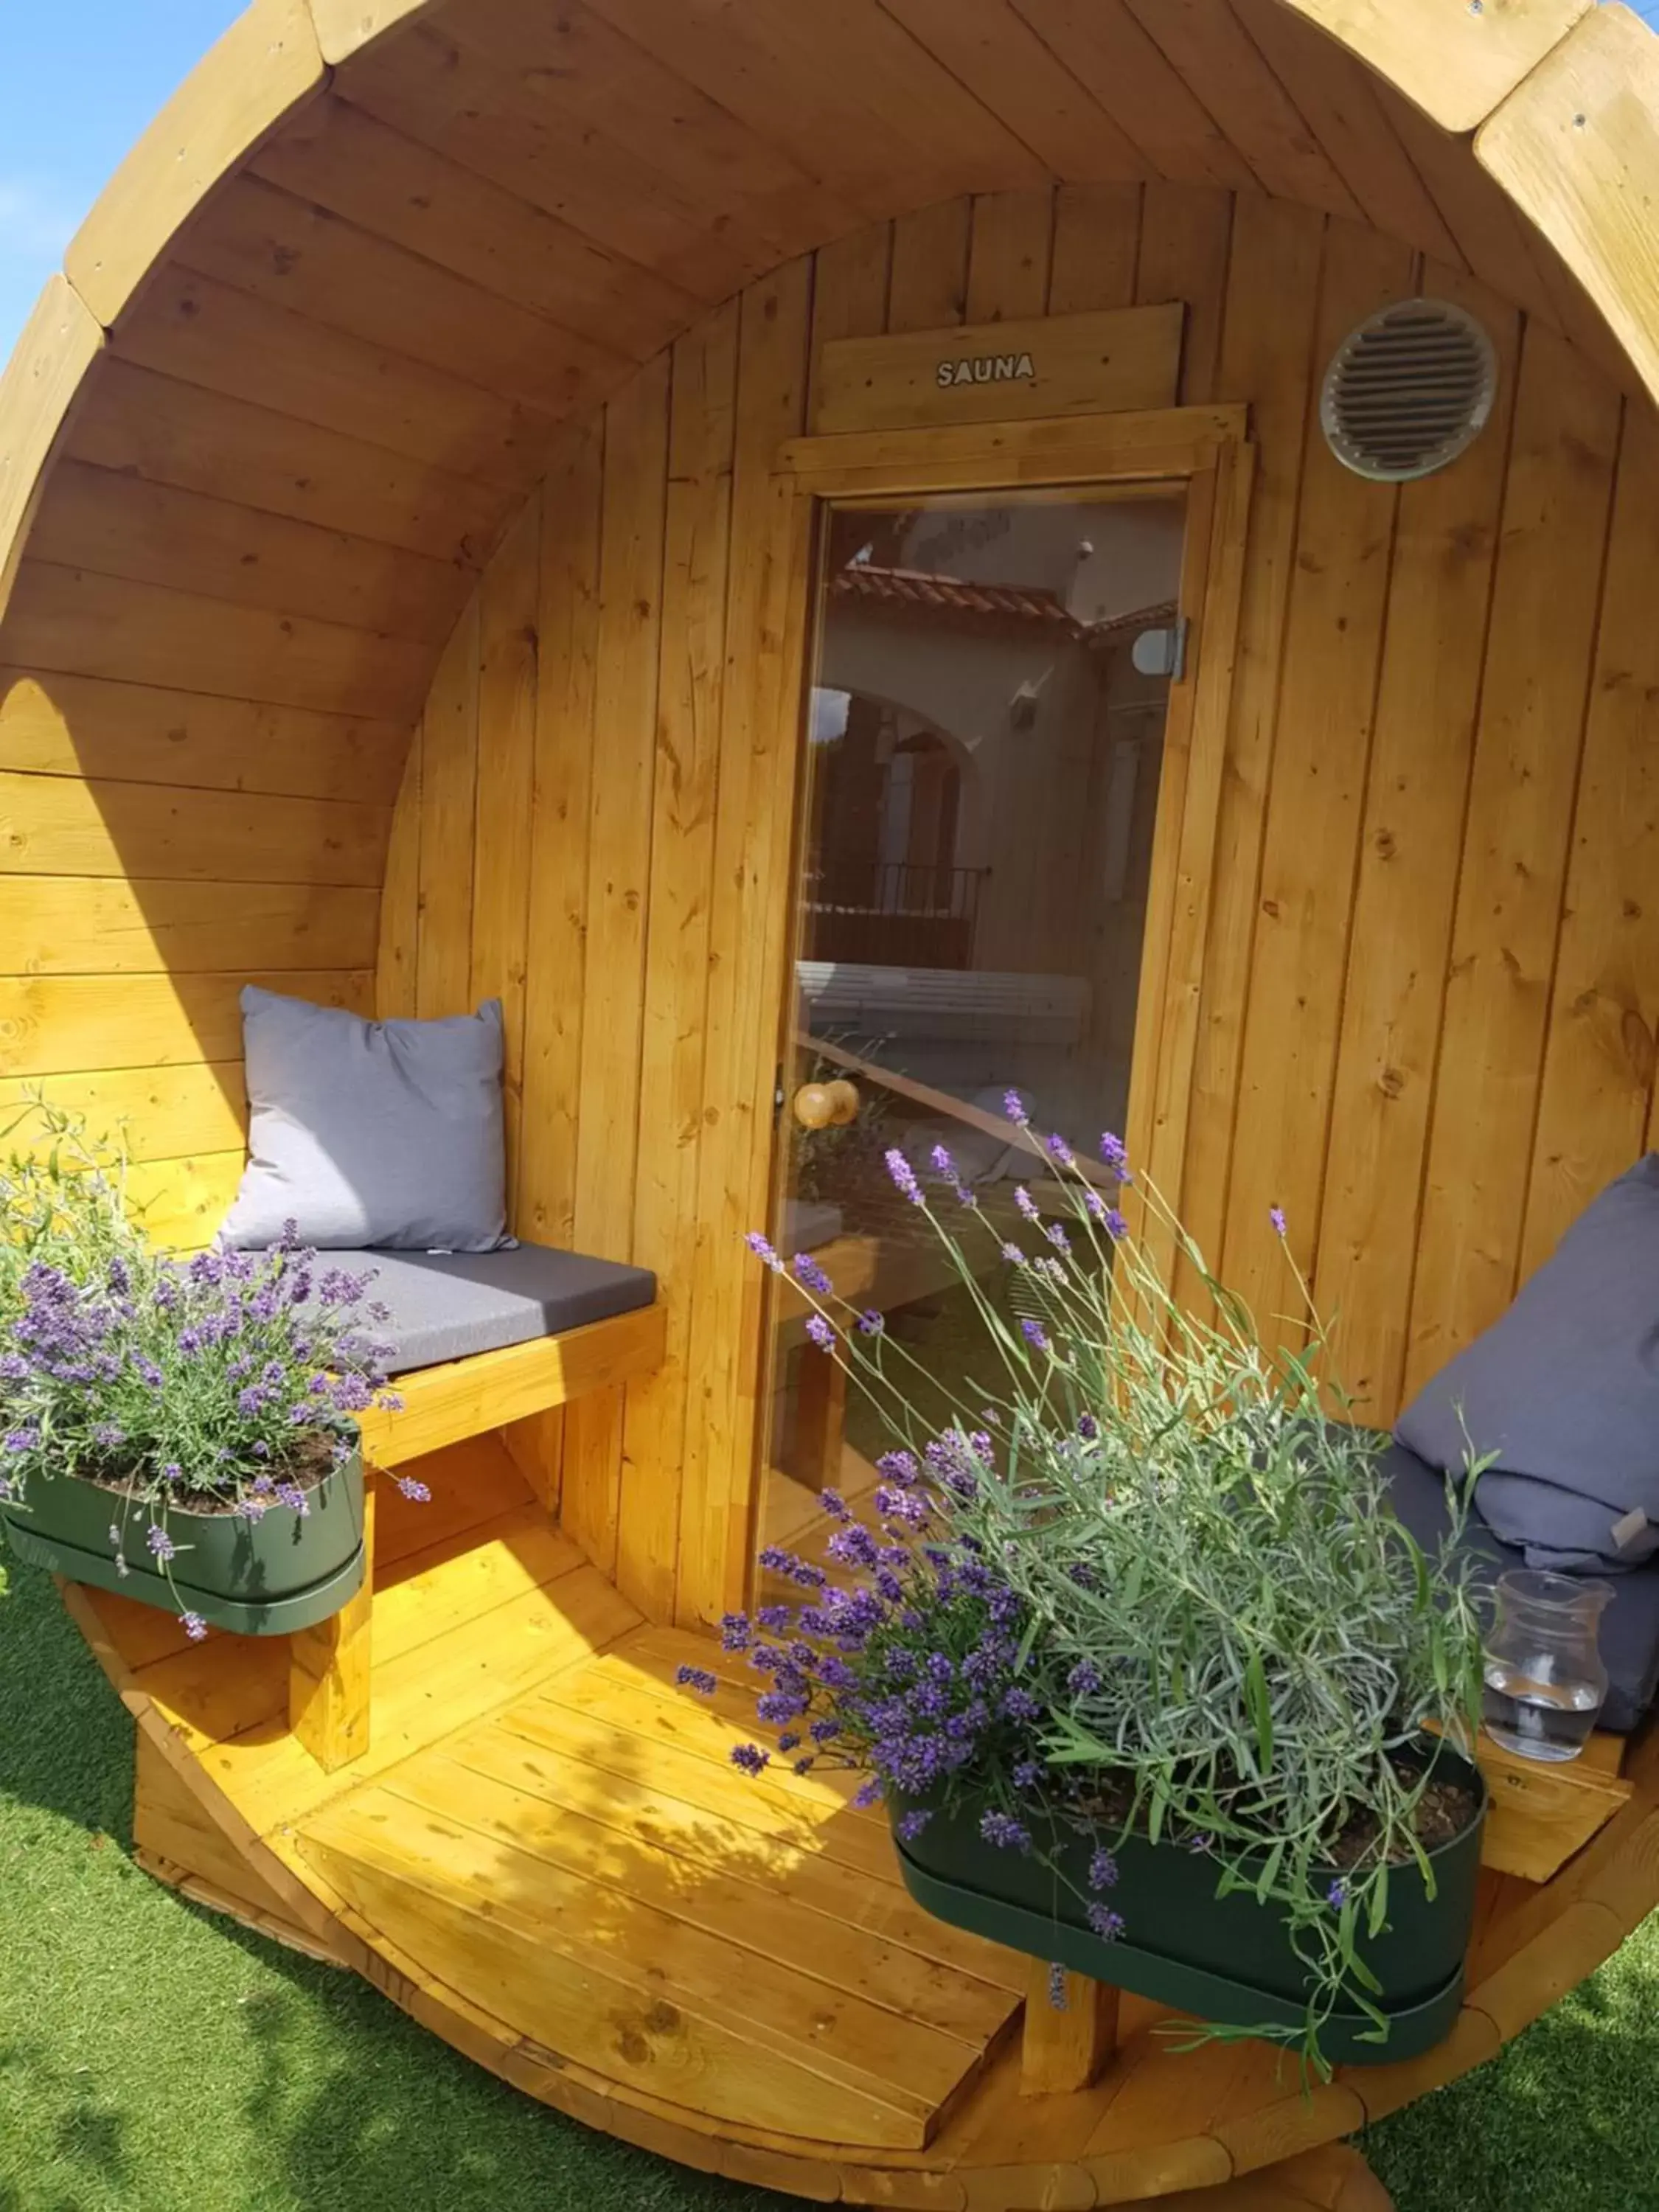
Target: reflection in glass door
[{"x": 985, "y": 741}]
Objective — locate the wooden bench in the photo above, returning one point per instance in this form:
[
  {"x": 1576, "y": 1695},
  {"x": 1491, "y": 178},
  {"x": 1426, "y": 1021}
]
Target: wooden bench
[{"x": 330, "y": 1664}]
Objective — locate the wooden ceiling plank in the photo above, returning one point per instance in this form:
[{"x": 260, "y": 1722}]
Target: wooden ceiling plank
[
  {"x": 38, "y": 387},
  {"x": 1575, "y": 149},
  {"x": 993, "y": 50},
  {"x": 577, "y": 67},
  {"x": 430, "y": 88},
  {"x": 887, "y": 125},
  {"x": 1492, "y": 238},
  {"x": 202, "y": 332},
  {"x": 1474, "y": 60},
  {"x": 284, "y": 251},
  {"x": 160, "y": 431},
  {"x": 266, "y": 62},
  {"x": 116, "y": 525},
  {"x": 1205, "y": 42},
  {"x": 340, "y": 158},
  {"x": 69, "y": 621},
  {"x": 1337, "y": 98},
  {"x": 1110, "y": 53},
  {"x": 85, "y": 725}
]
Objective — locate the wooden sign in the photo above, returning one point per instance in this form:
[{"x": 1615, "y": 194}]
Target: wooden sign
[{"x": 1127, "y": 359}]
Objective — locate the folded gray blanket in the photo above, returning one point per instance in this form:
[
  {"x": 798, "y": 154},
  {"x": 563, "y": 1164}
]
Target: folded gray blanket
[{"x": 1562, "y": 1395}]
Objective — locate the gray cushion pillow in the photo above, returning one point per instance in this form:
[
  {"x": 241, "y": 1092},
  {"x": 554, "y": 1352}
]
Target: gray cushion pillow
[
  {"x": 1565, "y": 1391},
  {"x": 384, "y": 1134}
]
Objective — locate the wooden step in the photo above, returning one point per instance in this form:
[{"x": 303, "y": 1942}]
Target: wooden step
[{"x": 667, "y": 1985}]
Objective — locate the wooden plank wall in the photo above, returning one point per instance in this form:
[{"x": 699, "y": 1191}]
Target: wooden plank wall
[{"x": 1432, "y": 977}]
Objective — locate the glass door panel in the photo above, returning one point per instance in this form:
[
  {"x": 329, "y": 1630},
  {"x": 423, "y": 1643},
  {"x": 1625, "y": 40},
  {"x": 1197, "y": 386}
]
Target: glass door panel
[{"x": 984, "y": 742}]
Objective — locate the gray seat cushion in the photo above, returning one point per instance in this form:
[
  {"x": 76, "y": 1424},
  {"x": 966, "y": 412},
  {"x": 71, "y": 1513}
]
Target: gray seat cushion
[
  {"x": 1630, "y": 1625},
  {"x": 1562, "y": 1392},
  {"x": 385, "y": 1134},
  {"x": 448, "y": 1305}
]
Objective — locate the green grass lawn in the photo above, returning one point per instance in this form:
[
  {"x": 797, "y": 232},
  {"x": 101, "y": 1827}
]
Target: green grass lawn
[{"x": 155, "y": 2059}]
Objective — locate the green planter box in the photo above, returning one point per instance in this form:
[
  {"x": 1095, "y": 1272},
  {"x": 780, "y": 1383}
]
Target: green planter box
[
  {"x": 1223, "y": 1959},
  {"x": 256, "y": 1578}
]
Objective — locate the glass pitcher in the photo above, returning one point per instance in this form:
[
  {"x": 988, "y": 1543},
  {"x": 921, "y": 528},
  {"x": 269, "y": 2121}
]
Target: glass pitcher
[{"x": 1544, "y": 1680}]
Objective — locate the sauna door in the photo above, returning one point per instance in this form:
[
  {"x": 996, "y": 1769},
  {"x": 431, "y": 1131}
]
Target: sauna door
[{"x": 990, "y": 809}]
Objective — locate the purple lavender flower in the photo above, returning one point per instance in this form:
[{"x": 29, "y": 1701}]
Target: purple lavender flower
[
  {"x": 905, "y": 1505},
  {"x": 835, "y": 1505},
  {"x": 751, "y": 1757},
  {"x": 13, "y": 1368},
  {"x": 1276, "y": 1215},
  {"x": 1034, "y": 1335},
  {"x": 899, "y": 1466},
  {"x": 1056, "y": 1236},
  {"x": 1087, "y": 1427},
  {"x": 415, "y": 1490},
  {"x": 943, "y": 1163},
  {"x": 1014, "y": 1107},
  {"x": 1007, "y": 1833},
  {"x": 1028, "y": 1774},
  {"x": 1014, "y": 1256},
  {"x": 20, "y": 1440},
  {"x": 291, "y": 1495},
  {"x": 1059, "y": 1152},
  {"x": 1106, "y": 1923},
  {"x": 872, "y": 1323},
  {"x": 762, "y": 1250},
  {"x": 1115, "y": 1153},
  {"x": 1337, "y": 1895},
  {"x": 1026, "y": 1203},
  {"x": 1103, "y": 1871},
  {"x": 698, "y": 1678},
  {"x": 821, "y": 1332},
  {"x": 807, "y": 1271},
  {"x": 193, "y": 1625},
  {"x": 868, "y": 1794},
  {"x": 162, "y": 1547},
  {"x": 1084, "y": 1680},
  {"x": 910, "y": 1825},
  {"x": 904, "y": 1176},
  {"x": 1116, "y": 1226},
  {"x": 734, "y": 1631},
  {"x": 1019, "y": 1704}
]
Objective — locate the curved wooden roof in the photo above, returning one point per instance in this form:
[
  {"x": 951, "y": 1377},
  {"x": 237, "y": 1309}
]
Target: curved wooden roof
[{"x": 429, "y": 230}]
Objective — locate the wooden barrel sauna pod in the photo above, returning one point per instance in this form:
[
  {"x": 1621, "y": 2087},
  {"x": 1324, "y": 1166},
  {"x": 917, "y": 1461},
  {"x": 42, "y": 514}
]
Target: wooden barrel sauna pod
[{"x": 455, "y": 429}]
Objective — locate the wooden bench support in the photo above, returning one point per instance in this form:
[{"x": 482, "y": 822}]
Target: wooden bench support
[
  {"x": 521, "y": 1390},
  {"x": 1065, "y": 2049},
  {"x": 329, "y": 1668}
]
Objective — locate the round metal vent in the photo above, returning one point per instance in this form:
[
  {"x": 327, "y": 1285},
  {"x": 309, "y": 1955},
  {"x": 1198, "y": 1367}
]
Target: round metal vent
[{"x": 1408, "y": 391}]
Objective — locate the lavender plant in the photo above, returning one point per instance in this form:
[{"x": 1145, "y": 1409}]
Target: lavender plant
[
  {"x": 1149, "y": 1581},
  {"x": 226, "y": 1382}
]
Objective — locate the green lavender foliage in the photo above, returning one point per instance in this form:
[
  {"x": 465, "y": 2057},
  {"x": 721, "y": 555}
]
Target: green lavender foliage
[{"x": 1224, "y": 1611}]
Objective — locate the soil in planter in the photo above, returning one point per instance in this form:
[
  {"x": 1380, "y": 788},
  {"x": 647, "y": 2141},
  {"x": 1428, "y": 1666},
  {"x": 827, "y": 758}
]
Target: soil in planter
[
  {"x": 309, "y": 1462},
  {"x": 1444, "y": 1811}
]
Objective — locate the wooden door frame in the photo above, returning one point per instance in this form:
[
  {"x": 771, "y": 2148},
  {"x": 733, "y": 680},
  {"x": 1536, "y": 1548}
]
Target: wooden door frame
[{"x": 1204, "y": 450}]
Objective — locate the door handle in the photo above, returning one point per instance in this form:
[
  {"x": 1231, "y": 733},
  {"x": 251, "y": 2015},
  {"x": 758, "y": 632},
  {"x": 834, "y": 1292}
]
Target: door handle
[{"x": 826, "y": 1105}]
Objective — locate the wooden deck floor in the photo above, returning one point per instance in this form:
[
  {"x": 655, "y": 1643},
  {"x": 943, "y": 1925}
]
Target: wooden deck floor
[{"x": 547, "y": 1855}]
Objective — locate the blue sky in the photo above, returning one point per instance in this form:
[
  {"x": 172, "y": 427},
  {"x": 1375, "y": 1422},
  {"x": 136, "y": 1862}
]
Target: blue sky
[{"x": 84, "y": 77}]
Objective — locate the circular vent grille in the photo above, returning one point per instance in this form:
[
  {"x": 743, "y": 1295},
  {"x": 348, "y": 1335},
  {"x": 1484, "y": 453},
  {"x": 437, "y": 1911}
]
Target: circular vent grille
[{"x": 1408, "y": 391}]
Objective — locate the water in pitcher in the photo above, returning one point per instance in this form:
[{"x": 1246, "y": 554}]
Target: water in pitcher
[{"x": 1538, "y": 1719}]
